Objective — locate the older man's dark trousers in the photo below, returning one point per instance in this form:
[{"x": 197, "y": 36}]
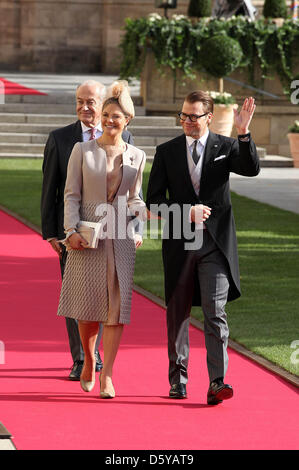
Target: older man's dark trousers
[{"x": 210, "y": 266}]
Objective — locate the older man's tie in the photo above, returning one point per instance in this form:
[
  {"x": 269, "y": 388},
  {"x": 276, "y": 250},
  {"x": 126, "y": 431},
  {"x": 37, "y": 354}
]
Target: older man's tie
[{"x": 93, "y": 131}]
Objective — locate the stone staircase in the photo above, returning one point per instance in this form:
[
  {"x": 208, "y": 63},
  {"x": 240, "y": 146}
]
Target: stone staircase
[
  {"x": 24, "y": 126},
  {"x": 25, "y": 122}
]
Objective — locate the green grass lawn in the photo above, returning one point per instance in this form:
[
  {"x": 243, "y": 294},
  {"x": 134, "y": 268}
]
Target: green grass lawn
[
  {"x": 265, "y": 318},
  {"x": 20, "y": 187}
]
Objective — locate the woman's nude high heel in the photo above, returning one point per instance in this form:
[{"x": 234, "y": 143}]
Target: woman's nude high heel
[
  {"x": 86, "y": 385},
  {"x": 106, "y": 393}
]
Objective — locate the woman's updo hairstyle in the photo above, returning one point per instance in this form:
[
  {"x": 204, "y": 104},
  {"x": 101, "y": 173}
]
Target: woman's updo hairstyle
[{"x": 118, "y": 93}]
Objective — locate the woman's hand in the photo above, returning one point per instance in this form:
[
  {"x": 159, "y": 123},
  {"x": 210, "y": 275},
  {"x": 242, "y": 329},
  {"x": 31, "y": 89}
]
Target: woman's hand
[
  {"x": 138, "y": 240},
  {"x": 77, "y": 242}
]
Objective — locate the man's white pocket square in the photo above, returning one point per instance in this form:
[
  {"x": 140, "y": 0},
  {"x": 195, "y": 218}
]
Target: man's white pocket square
[{"x": 219, "y": 158}]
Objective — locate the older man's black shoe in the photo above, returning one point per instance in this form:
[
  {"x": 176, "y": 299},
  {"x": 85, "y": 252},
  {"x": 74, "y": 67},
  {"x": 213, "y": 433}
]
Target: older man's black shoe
[
  {"x": 76, "y": 370},
  {"x": 218, "y": 391},
  {"x": 78, "y": 366},
  {"x": 99, "y": 362},
  {"x": 178, "y": 391}
]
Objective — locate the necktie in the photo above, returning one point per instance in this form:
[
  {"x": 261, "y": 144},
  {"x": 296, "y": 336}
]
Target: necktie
[
  {"x": 93, "y": 131},
  {"x": 195, "y": 156}
]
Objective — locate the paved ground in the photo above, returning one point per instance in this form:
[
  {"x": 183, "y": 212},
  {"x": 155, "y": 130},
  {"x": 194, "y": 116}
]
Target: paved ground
[{"x": 276, "y": 186}]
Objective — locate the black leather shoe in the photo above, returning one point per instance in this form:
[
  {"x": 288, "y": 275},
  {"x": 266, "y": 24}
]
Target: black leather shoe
[
  {"x": 178, "y": 391},
  {"x": 218, "y": 391},
  {"x": 99, "y": 362},
  {"x": 76, "y": 370},
  {"x": 78, "y": 366}
]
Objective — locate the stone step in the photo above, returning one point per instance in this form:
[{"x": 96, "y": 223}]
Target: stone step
[
  {"x": 20, "y": 155},
  {"x": 137, "y": 130},
  {"x": 65, "y": 119},
  {"x": 262, "y": 152},
  {"x": 39, "y": 108},
  {"x": 54, "y": 98},
  {"x": 21, "y": 148},
  {"x": 276, "y": 161},
  {"x": 23, "y": 138},
  {"x": 16, "y": 137},
  {"x": 6, "y": 442},
  {"x": 17, "y": 118}
]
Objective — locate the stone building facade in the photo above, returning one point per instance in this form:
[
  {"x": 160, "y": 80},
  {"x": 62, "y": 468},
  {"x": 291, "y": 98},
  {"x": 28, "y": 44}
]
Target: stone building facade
[{"x": 77, "y": 36}]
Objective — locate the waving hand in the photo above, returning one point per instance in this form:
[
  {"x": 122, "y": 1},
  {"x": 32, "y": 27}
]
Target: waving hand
[{"x": 243, "y": 118}]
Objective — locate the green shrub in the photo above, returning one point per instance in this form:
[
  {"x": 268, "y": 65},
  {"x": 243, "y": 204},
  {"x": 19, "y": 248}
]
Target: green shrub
[
  {"x": 294, "y": 129},
  {"x": 176, "y": 43},
  {"x": 220, "y": 55},
  {"x": 200, "y": 8},
  {"x": 275, "y": 9}
]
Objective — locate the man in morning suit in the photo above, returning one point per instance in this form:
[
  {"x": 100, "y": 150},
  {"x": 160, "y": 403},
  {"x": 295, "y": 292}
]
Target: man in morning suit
[
  {"x": 89, "y": 99},
  {"x": 192, "y": 172}
]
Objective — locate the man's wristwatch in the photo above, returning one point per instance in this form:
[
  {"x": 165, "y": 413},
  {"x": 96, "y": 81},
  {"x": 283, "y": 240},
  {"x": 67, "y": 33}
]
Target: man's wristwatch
[{"x": 244, "y": 137}]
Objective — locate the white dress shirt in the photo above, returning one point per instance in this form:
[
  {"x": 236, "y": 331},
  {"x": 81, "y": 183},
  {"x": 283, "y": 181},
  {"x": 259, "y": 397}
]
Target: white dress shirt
[
  {"x": 86, "y": 131},
  {"x": 196, "y": 170}
]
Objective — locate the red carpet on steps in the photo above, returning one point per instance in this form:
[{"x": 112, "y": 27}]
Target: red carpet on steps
[
  {"x": 44, "y": 410},
  {"x": 11, "y": 88}
]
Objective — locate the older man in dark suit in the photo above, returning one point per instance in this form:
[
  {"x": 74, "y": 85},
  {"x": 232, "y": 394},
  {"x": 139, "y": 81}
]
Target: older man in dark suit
[
  {"x": 192, "y": 172},
  {"x": 89, "y": 98}
]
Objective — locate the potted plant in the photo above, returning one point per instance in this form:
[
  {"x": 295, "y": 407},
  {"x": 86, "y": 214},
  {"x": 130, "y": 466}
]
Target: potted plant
[
  {"x": 220, "y": 55},
  {"x": 276, "y": 10},
  {"x": 222, "y": 97},
  {"x": 293, "y": 137},
  {"x": 199, "y": 8}
]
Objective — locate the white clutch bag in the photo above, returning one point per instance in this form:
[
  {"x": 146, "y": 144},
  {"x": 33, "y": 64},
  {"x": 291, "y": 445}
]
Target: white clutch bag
[{"x": 92, "y": 232}]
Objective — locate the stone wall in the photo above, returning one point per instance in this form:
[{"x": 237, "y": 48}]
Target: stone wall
[
  {"x": 80, "y": 36},
  {"x": 51, "y": 35}
]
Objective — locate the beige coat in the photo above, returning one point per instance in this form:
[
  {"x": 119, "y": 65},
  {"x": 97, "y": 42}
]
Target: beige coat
[{"x": 84, "y": 293}]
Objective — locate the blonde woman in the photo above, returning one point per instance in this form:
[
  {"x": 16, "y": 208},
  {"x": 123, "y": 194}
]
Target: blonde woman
[{"x": 103, "y": 183}]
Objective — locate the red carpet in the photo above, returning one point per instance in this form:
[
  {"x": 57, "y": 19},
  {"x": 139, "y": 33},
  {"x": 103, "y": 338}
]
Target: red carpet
[
  {"x": 44, "y": 410},
  {"x": 12, "y": 88}
]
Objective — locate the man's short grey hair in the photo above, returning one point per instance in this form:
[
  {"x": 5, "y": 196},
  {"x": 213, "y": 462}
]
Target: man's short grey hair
[{"x": 101, "y": 88}]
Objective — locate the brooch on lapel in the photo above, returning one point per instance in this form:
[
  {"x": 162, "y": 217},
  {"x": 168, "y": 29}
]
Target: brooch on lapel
[{"x": 131, "y": 160}]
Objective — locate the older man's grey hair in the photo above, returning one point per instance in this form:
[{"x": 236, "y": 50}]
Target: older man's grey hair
[{"x": 100, "y": 88}]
